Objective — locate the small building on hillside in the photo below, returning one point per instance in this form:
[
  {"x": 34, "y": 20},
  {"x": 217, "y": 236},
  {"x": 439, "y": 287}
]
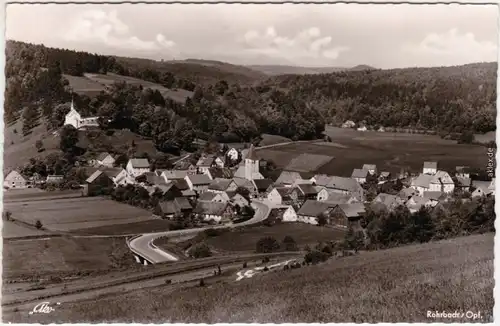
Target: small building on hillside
[
  {"x": 78, "y": 121},
  {"x": 430, "y": 168},
  {"x": 349, "y": 124},
  {"x": 481, "y": 188},
  {"x": 390, "y": 202},
  {"x": 359, "y": 175},
  {"x": 462, "y": 172},
  {"x": 14, "y": 180},
  {"x": 137, "y": 166},
  {"x": 105, "y": 159},
  {"x": 54, "y": 179},
  {"x": 463, "y": 184}
]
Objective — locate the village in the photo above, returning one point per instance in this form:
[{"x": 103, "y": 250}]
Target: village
[{"x": 220, "y": 188}]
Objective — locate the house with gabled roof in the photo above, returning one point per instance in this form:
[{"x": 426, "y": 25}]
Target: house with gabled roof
[
  {"x": 430, "y": 168},
  {"x": 137, "y": 166},
  {"x": 15, "y": 180},
  {"x": 462, "y": 172},
  {"x": 239, "y": 200},
  {"x": 311, "y": 210},
  {"x": 171, "y": 208},
  {"x": 205, "y": 163},
  {"x": 346, "y": 186},
  {"x": 198, "y": 182},
  {"x": 371, "y": 168},
  {"x": 213, "y": 211},
  {"x": 481, "y": 188},
  {"x": 345, "y": 215},
  {"x": 220, "y": 197},
  {"x": 442, "y": 182},
  {"x": 417, "y": 202},
  {"x": 333, "y": 197},
  {"x": 247, "y": 184},
  {"x": 422, "y": 183},
  {"x": 105, "y": 159},
  {"x": 214, "y": 173},
  {"x": 288, "y": 178},
  {"x": 407, "y": 193},
  {"x": 359, "y": 175},
  {"x": 321, "y": 180},
  {"x": 171, "y": 175},
  {"x": 263, "y": 186},
  {"x": 280, "y": 196},
  {"x": 463, "y": 184},
  {"x": 303, "y": 192},
  {"x": 389, "y": 201},
  {"x": 220, "y": 185}
]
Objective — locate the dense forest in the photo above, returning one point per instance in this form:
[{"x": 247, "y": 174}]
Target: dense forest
[{"x": 452, "y": 99}]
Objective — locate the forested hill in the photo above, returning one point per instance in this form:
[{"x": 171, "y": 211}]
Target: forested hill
[
  {"x": 451, "y": 99},
  {"x": 231, "y": 103}
]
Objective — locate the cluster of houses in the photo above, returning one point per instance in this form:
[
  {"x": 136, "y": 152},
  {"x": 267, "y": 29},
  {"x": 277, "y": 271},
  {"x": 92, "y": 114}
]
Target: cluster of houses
[{"x": 213, "y": 191}]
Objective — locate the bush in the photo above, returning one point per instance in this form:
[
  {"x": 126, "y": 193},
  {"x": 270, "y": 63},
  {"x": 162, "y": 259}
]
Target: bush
[
  {"x": 315, "y": 257},
  {"x": 265, "y": 269},
  {"x": 202, "y": 282},
  {"x": 289, "y": 244},
  {"x": 200, "y": 251},
  {"x": 38, "y": 224},
  {"x": 245, "y": 265},
  {"x": 7, "y": 215},
  {"x": 265, "y": 260},
  {"x": 168, "y": 281},
  {"x": 267, "y": 244},
  {"x": 213, "y": 232}
]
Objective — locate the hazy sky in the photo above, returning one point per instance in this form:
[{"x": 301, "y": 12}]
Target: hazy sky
[{"x": 384, "y": 36}]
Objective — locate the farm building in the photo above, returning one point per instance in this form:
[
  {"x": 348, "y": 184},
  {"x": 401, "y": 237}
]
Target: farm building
[
  {"x": 262, "y": 186},
  {"x": 171, "y": 175},
  {"x": 198, "y": 182},
  {"x": 137, "y": 166},
  {"x": 224, "y": 173},
  {"x": 359, "y": 175},
  {"x": 288, "y": 178},
  {"x": 247, "y": 184},
  {"x": 349, "y": 124},
  {"x": 346, "y": 186},
  {"x": 417, "y": 202},
  {"x": 117, "y": 176},
  {"x": 169, "y": 191},
  {"x": 239, "y": 200},
  {"x": 282, "y": 214},
  {"x": 205, "y": 163},
  {"x": 15, "y": 180},
  {"x": 172, "y": 208},
  {"x": 151, "y": 179},
  {"x": 407, "y": 193},
  {"x": 211, "y": 211},
  {"x": 312, "y": 210},
  {"x": 321, "y": 180},
  {"x": 442, "y": 182},
  {"x": 482, "y": 188},
  {"x": 280, "y": 196},
  {"x": 303, "y": 192},
  {"x": 345, "y": 215},
  {"x": 421, "y": 184},
  {"x": 332, "y": 196},
  {"x": 220, "y": 185},
  {"x": 54, "y": 179}
]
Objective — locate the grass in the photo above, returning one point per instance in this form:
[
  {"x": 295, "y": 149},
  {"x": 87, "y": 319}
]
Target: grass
[
  {"x": 395, "y": 285},
  {"x": 63, "y": 256},
  {"x": 245, "y": 239},
  {"x": 150, "y": 226},
  {"x": 389, "y": 151},
  {"x": 70, "y": 214},
  {"x": 11, "y": 229},
  {"x": 268, "y": 139},
  {"x": 18, "y": 149},
  {"x": 84, "y": 86},
  {"x": 34, "y": 194},
  {"x": 308, "y": 162}
]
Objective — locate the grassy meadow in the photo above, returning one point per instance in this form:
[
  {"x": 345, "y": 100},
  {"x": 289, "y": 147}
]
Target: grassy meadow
[{"x": 395, "y": 285}]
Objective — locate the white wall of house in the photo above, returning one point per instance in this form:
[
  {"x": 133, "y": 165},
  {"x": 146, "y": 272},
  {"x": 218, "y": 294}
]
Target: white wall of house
[
  {"x": 208, "y": 217},
  {"x": 307, "y": 219},
  {"x": 477, "y": 193},
  {"x": 429, "y": 171},
  {"x": 123, "y": 178},
  {"x": 219, "y": 162},
  {"x": 360, "y": 180},
  {"x": 290, "y": 215},
  {"x": 14, "y": 180},
  {"x": 274, "y": 197},
  {"x": 322, "y": 195},
  {"x": 135, "y": 172},
  {"x": 420, "y": 190},
  {"x": 232, "y": 154}
]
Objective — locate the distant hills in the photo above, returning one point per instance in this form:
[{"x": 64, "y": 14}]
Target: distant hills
[{"x": 275, "y": 70}]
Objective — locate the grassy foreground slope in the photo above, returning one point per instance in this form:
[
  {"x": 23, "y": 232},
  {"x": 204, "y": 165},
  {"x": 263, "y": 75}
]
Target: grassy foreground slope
[{"x": 396, "y": 285}]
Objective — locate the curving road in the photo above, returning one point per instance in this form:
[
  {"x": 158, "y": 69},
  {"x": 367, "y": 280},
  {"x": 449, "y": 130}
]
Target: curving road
[{"x": 144, "y": 247}]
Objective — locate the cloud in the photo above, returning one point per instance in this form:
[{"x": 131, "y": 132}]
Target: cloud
[
  {"x": 453, "y": 48},
  {"x": 98, "y": 26},
  {"x": 304, "y": 46}
]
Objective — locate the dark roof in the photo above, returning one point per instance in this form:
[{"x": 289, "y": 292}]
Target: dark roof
[
  {"x": 284, "y": 192},
  {"x": 221, "y": 173},
  {"x": 182, "y": 165},
  {"x": 199, "y": 179},
  {"x": 423, "y": 180},
  {"x": 342, "y": 183},
  {"x": 242, "y": 182},
  {"x": 352, "y": 210},
  {"x": 336, "y": 197},
  {"x": 323, "y": 179},
  {"x": 307, "y": 189},
  {"x": 313, "y": 208},
  {"x": 154, "y": 179},
  {"x": 220, "y": 184},
  {"x": 210, "y": 208},
  {"x": 183, "y": 203},
  {"x": 387, "y": 200},
  {"x": 181, "y": 184},
  {"x": 205, "y": 161},
  {"x": 207, "y": 196},
  {"x": 169, "y": 207},
  {"x": 112, "y": 172},
  {"x": 175, "y": 174},
  {"x": 262, "y": 184}
]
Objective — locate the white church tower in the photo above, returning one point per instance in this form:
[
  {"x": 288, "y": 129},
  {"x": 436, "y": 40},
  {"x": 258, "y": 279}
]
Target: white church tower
[
  {"x": 252, "y": 165},
  {"x": 73, "y": 117}
]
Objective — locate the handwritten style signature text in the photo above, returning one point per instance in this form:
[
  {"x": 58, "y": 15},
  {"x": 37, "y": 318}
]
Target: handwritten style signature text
[{"x": 43, "y": 308}]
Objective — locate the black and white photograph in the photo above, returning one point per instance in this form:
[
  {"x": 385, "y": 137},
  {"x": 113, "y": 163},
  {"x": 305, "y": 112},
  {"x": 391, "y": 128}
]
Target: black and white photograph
[{"x": 248, "y": 163}]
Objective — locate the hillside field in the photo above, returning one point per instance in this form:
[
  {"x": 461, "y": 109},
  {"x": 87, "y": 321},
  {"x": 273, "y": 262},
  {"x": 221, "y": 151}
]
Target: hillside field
[
  {"x": 396, "y": 285},
  {"x": 389, "y": 151}
]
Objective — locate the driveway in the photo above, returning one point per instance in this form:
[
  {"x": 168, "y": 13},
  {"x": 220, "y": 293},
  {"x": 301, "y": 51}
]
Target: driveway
[{"x": 144, "y": 247}]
